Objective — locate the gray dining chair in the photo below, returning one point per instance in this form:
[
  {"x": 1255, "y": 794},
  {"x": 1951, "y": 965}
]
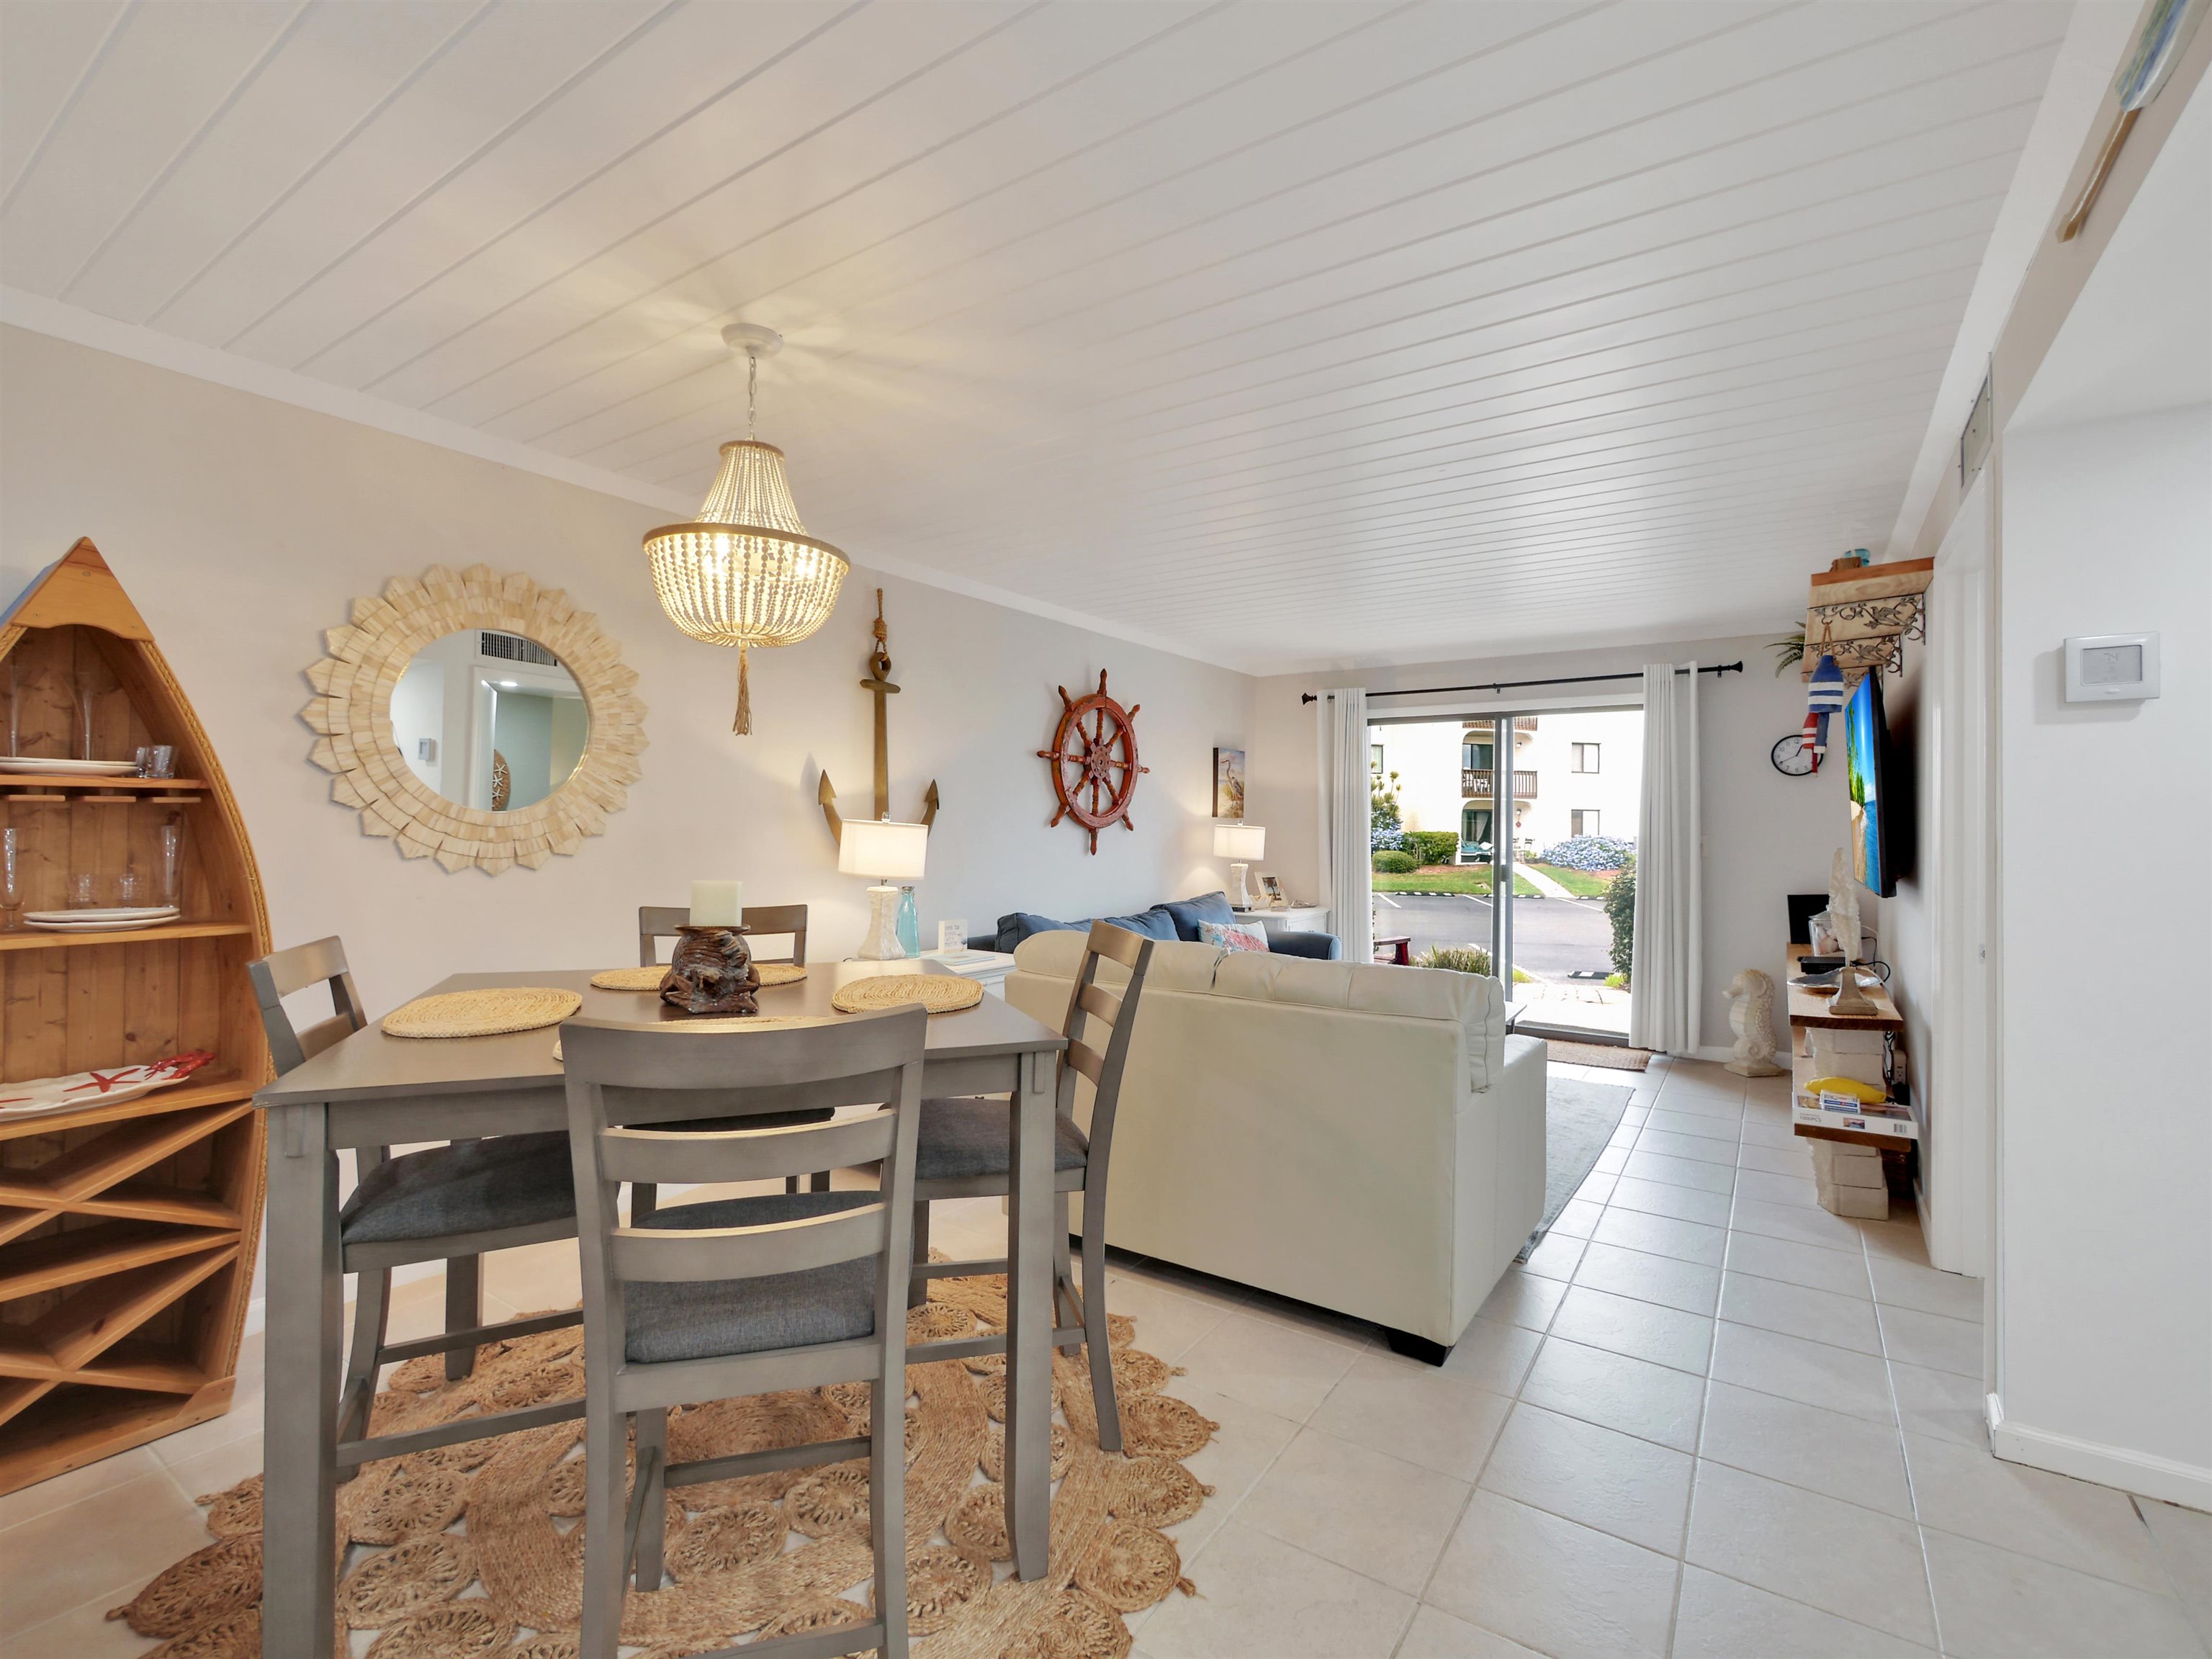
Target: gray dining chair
[
  {"x": 741, "y": 1296},
  {"x": 656, "y": 922},
  {"x": 449, "y": 1204},
  {"x": 963, "y": 1153}
]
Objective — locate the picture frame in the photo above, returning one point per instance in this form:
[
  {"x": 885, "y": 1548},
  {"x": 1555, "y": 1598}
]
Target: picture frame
[
  {"x": 1229, "y": 783},
  {"x": 1272, "y": 887}
]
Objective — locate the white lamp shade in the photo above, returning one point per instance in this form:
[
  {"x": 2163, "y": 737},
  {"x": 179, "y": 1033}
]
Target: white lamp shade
[
  {"x": 882, "y": 849},
  {"x": 1245, "y": 842}
]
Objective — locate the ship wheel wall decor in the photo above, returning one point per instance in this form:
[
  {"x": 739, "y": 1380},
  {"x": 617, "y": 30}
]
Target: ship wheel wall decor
[{"x": 1094, "y": 760}]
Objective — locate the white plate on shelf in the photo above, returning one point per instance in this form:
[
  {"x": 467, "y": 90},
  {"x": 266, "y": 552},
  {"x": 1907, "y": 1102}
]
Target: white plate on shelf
[
  {"x": 53, "y": 767},
  {"x": 112, "y": 912},
  {"x": 101, "y": 927}
]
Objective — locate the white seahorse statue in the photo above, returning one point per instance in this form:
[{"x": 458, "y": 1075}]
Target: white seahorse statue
[{"x": 1751, "y": 1013}]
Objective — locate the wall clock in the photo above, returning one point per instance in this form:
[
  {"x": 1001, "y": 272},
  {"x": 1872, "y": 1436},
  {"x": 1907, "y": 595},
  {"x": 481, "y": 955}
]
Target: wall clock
[
  {"x": 1094, "y": 760},
  {"x": 1792, "y": 759}
]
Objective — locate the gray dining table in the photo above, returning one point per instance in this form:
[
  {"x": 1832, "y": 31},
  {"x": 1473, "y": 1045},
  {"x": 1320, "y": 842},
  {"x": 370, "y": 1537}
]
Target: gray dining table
[{"x": 371, "y": 1090}]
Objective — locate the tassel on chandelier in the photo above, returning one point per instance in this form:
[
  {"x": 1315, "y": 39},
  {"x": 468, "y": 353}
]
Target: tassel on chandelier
[{"x": 745, "y": 573}]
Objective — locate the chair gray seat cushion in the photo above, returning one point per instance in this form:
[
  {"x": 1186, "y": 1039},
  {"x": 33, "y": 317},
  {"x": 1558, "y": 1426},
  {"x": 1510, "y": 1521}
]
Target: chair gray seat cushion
[
  {"x": 960, "y": 1140},
  {"x": 705, "y": 1319},
  {"x": 470, "y": 1187}
]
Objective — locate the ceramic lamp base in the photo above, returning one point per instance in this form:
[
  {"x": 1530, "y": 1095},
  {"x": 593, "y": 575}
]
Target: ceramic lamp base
[
  {"x": 881, "y": 942},
  {"x": 1240, "y": 895}
]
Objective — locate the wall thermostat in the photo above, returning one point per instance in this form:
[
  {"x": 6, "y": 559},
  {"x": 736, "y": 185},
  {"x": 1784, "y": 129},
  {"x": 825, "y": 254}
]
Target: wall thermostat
[{"x": 2111, "y": 668}]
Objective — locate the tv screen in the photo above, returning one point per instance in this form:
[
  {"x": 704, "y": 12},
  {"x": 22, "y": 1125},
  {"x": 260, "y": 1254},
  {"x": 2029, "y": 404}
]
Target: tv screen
[{"x": 1866, "y": 748}]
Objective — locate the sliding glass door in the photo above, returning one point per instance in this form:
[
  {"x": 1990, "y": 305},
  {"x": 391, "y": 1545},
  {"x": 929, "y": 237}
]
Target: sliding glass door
[{"x": 1500, "y": 833}]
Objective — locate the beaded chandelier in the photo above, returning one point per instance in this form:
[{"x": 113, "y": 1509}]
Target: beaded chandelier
[{"x": 745, "y": 573}]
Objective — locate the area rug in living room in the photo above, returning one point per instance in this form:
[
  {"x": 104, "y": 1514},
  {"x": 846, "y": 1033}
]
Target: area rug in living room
[
  {"x": 1579, "y": 1119},
  {"x": 470, "y": 1550}
]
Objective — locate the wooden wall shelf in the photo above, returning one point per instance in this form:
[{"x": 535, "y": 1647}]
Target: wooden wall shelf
[
  {"x": 15, "y": 783},
  {"x": 127, "y": 1228},
  {"x": 1863, "y": 618},
  {"x": 32, "y": 939}
]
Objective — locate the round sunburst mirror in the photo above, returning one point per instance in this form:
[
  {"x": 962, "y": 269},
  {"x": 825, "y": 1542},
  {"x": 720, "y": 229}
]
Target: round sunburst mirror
[{"x": 476, "y": 719}]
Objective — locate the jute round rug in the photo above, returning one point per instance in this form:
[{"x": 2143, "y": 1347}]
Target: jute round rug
[{"x": 475, "y": 1550}]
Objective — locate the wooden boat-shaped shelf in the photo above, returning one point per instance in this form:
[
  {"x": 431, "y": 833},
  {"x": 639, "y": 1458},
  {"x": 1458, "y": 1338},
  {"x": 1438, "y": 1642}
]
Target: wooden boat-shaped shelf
[{"x": 127, "y": 1228}]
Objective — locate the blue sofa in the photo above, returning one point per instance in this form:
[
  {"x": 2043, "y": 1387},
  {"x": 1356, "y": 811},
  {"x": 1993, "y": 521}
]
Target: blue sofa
[{"x": 1172, "y": 920}]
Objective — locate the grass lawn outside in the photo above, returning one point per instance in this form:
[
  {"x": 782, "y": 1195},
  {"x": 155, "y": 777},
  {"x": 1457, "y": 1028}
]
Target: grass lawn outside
[
  {"x": 1445, "y": 878},
  {"x": 1583, "y": 883}
]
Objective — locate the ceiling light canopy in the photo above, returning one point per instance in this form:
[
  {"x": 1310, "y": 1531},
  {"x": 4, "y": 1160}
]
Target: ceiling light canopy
[{"x": 745, "y": 573}]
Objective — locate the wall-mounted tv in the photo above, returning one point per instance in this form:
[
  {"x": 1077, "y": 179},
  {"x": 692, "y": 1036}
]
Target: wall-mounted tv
[{"x": 1875, "y": 849}]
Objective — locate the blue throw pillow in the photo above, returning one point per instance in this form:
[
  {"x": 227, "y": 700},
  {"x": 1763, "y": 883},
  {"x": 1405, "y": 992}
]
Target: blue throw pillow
[
  {"x": 1018, "y": 925},
  {"x": 1189, "y": 913},
  {"x": 1155, "y": 923}
]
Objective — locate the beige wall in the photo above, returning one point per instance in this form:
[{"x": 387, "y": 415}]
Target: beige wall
[{"x": 243, "y": 527}]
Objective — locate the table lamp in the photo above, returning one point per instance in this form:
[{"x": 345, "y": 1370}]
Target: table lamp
[
  {"x": 890, "y": 851},
  {"x": 1245, "y": 843}
]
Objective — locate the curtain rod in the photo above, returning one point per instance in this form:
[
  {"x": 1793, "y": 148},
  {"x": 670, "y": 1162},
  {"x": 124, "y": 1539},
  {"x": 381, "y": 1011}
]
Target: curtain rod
[{"x": 1716, "y": 668}]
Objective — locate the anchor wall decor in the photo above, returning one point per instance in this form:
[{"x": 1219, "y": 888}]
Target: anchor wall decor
[{"x": 877, "y": 685}]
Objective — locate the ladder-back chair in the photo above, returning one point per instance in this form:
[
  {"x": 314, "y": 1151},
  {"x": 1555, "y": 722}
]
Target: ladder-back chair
[
  {"x": 449, "y": 1204},
  {"x": 963, "y": 1153},
  {"x": 741, "y": 1296}
]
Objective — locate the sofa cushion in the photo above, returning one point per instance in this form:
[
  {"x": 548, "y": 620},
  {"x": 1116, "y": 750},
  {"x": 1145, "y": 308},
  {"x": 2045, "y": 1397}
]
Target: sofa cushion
[
  {"x": 1189, "y": 913},
  {"x": 1155, "y": 923},
  {"x": 1468, "y": 1000},
  {"x": 1175, "y": 966},
  {"x": 1018, "y": 925}
]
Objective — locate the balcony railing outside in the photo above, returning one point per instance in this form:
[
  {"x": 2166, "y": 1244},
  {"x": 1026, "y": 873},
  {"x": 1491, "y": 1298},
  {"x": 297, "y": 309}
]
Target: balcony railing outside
[{"x": 1474, "y": 784}]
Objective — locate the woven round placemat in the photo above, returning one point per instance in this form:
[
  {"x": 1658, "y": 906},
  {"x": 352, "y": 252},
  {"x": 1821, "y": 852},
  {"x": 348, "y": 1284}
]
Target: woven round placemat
[
  {"x": 772, "y": 974},
  {"x": 482, "y": 1013},
  {"x": 512, "y": 1573},
  {"x": 941, "y": 994}
]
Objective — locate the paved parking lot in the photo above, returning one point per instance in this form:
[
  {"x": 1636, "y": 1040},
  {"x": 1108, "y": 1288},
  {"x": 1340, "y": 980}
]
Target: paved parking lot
[{"x": 1551, "y": 938}]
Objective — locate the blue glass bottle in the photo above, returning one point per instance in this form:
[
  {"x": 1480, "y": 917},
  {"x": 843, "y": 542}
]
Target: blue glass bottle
[{"x": 909, "y": 924}]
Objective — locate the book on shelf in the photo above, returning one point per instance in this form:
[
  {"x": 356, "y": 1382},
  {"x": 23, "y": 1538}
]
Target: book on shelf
[{"x": 1823, "y": 1110}]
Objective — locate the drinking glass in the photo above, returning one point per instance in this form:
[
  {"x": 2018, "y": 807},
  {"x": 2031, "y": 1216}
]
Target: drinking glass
[
  {"x": 161, "y": 761},
  {"x": 171, "y": 866},
  {"x": 130, "y": 890},
  {"x": 11, "y": 890},
  {"x": 83, "y": 890},
  {"x": 84, "y": 721}
]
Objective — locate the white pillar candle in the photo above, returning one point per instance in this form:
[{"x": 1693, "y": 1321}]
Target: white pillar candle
[{"x": 718, "y": 903}]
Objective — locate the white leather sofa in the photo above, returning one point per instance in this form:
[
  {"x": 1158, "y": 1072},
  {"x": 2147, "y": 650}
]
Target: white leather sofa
[{"x": 1360, "y": 1136}]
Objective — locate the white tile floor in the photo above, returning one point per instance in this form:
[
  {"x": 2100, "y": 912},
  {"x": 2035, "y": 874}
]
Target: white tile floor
[{"x": 1706, "y": 1418}]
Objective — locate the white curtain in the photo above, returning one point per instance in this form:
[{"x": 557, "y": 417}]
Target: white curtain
[
  {"x": 1669, "y": 967},
  {"x": 1346, "y": 810}
]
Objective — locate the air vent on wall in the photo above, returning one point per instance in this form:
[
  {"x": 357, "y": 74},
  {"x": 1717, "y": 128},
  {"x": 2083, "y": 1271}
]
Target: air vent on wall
[
  {"x": 1974, "y": 441},
  {"x": 514, "y": 648}
]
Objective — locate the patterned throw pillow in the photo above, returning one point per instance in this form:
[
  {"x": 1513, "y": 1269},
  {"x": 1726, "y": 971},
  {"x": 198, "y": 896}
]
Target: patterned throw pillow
[{"x": 1230, "y": 937}]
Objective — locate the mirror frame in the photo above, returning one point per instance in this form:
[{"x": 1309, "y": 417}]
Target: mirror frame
[{"x": 352, "y": 713}]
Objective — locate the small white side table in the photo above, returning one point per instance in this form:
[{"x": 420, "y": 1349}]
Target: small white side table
[
  {"x": 990, "y": 967},
  {"x": 1293, "y": 919}
]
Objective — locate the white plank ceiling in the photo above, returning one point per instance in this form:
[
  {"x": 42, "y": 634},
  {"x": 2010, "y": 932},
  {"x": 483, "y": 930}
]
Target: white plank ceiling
[{"x": 1287, "y": 332}]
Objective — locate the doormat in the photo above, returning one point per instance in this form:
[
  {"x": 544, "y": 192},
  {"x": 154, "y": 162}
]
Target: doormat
[
  {"x": 1612, "y": 1057},
  {"x": 427, "y": 1530},
  {"x": 1579, "y": 1120}
]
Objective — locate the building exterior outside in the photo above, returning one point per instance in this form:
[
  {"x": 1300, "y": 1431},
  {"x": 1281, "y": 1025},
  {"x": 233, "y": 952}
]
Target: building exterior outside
[{"x": 1574, "y": 772}]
